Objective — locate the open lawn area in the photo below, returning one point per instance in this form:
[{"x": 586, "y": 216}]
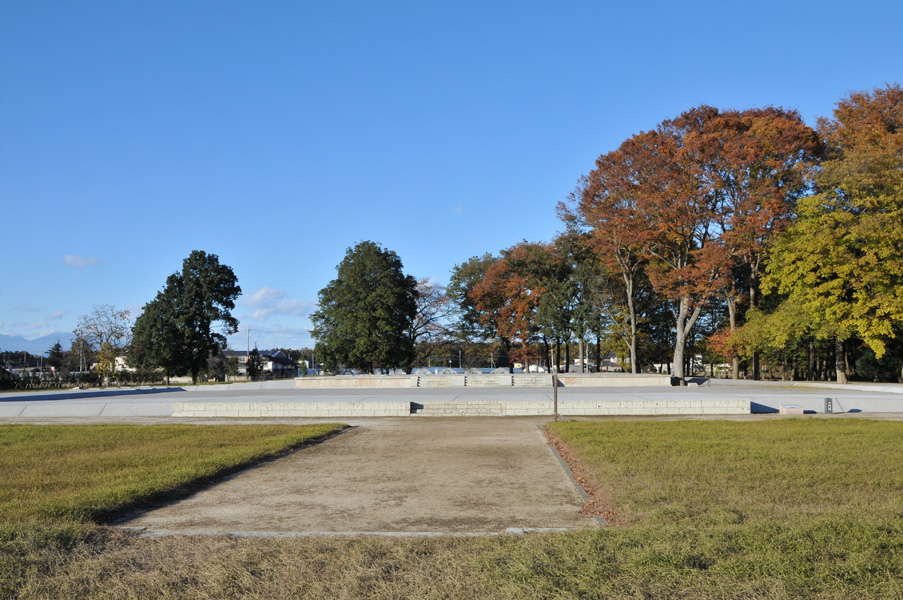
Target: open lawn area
[{"x": 774, "y": 508}]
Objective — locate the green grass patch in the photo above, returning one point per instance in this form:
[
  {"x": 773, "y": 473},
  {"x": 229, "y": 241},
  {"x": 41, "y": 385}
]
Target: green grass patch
[
  {"x": 57, "y": 474},
  {"x": 718, "y": 473},
  {"x": 779, "y": 508}
]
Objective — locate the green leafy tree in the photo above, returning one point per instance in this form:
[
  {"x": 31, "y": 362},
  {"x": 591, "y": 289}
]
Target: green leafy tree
[
  {"x": 55, "y": 357},
  {"x": 232, "y": 366},
  {"x": 176, "y": 331},
  {"x": 842, "y": 260},
  {"x": 365, "y": 314},
  {"x": 255, "y": 365},
  {"x": 470, "y": 323},
  {"x": 157, "y": 341}
]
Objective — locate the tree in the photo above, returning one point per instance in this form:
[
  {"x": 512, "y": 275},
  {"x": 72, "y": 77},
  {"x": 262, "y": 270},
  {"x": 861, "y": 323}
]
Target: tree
[
  {"x": 607, "y": 207},
  {"x": 176, "y": 329},
  {"x": 430, "y": 323},
  {"x": 690, "y": 200},
  {"x": 508, "y": 295},
  {"x": 255, "y": 365},
  {"x": 55, "y": 357},
  {"x": 757, "y": 164},
  {"x": 106, "y": 332},
  {"x": 653, "y": 205},
  {"x": 232, "y": 367},
  {"x": 80, "y": 355},
  {"x": 157, "y": 341},
  {"x": 365, "y": 314},
  {"x": 842, "y": 260},
  {"x": 464, "y": 278}
]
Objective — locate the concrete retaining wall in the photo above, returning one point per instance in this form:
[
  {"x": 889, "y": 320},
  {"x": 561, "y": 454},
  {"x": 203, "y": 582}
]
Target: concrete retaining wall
[{"x": 507, "y": 408}]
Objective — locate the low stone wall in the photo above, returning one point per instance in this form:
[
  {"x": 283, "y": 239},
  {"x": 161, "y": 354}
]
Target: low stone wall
[
  {"x": 374, "y": 408},
  {"x": 463, "y": 408},
  {"x": 532, "y": 380},
  {"x": 510, "y": 408},
  {"x": 613, "y": 380}
]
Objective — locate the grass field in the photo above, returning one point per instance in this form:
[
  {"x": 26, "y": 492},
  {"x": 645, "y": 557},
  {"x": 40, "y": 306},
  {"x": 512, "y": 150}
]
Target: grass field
[{"x": 782, "y": 508}]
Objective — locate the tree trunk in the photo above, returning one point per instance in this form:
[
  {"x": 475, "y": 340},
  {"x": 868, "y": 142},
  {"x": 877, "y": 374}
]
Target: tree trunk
[
  {"x": 753, "y": 285},
  {"x": 679, "y": 360},
  {"x": 632, "y": 311},
  {"x": 598, "y": 354},
  {"x": 567, "y": 357},
  {"x": 850, "y": 369},
  {"x": 580, "y": 369},
  {"x": 732, "y": 314},
  {"x": 685, "y": 321},
  {"x": 557, "y": 352},
  {"x": 839, "y": 363},
  {"x": 810, "y": 368}
]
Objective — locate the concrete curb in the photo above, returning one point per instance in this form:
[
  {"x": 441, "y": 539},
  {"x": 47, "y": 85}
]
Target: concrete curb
[
  {"x": 144, "y": 532},
  {"x": 600, "y": 522}
]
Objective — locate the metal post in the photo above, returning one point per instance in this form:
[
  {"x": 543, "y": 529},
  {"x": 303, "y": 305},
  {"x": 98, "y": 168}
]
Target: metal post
[{"x": 555, "y": 393}]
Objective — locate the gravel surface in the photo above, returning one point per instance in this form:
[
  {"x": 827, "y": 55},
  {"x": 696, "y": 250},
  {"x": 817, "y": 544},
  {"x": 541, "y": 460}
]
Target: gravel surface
[{"x": 462, "y": 475}]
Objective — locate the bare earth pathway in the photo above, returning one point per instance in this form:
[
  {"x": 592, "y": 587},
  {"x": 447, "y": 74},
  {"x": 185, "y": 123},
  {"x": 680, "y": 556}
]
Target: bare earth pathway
[{"x": 429, "y": 475}]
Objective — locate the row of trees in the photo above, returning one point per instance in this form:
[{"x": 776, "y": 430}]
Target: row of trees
[
  {"x": 697, "y": 218},
  {"x": 732, "y": 234},
  {"x": 735, "y": 234}
]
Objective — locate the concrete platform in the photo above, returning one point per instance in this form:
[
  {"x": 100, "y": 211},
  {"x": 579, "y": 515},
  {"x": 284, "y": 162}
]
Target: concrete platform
[{"x": 280, "y": 399}]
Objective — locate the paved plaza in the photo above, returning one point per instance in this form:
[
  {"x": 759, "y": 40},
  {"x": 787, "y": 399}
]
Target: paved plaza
[{"x": 763, "y": 397}]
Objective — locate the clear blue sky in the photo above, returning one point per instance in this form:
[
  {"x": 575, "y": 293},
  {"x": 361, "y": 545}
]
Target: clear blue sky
[{"x": 278, "y": 134}]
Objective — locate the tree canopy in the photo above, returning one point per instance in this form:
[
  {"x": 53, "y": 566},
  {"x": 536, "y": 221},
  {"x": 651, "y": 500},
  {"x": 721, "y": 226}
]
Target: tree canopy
[
  {"x": 691, "y": 199},
  {"x": 842, "y": 260},
  {"x": 366, "y": 313},
  {"x": 176, "y": 330}
]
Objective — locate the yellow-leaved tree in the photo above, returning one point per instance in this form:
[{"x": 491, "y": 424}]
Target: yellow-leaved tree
[{"x": 842, "y": 260}]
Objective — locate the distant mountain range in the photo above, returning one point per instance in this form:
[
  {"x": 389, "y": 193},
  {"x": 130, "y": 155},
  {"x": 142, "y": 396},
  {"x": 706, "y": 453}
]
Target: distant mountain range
[{"x": 17, "y": 343}]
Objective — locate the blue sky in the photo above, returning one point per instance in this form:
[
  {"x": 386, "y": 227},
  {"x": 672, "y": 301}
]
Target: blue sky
[{"x": 278, "y": 134}]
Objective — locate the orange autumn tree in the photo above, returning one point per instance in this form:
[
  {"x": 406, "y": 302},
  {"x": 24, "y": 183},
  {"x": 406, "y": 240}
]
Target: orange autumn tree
[
  {"x": 693, "y": 202},
  {"x": 509, "y": 294},
  {"x": 756, "y": 164}
]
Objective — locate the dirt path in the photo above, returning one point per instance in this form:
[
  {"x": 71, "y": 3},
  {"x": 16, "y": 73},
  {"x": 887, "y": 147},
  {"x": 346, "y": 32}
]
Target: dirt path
[{"x": 394, "y": 475}]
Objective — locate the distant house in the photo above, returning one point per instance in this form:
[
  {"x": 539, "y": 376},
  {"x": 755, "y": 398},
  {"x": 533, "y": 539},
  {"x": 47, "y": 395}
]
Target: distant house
[{"x": 274, "y": 364}]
